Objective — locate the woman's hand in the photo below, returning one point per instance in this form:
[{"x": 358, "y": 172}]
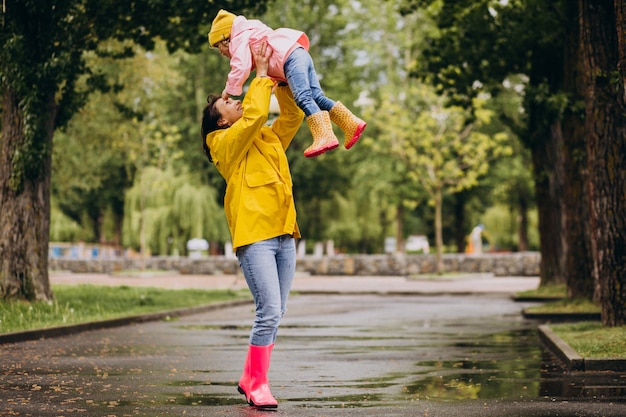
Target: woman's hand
[{"x": 261, "y": 58}]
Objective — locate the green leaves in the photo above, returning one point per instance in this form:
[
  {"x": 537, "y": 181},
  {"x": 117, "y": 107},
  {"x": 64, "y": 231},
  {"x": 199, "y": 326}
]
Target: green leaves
[{"x": 164, "y": 210}]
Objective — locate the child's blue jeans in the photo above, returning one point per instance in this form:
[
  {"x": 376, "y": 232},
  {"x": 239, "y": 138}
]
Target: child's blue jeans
[{"x": 304, "y": 84}]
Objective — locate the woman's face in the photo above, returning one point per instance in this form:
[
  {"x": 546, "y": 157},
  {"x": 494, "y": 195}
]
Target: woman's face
[{"x": 230, "y": 110}]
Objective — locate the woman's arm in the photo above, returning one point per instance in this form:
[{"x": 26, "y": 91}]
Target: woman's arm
[
  {"x": 237, "y": 139},
  {"x": 290, "y": 118},
  {"x": 234, "y": 143}
]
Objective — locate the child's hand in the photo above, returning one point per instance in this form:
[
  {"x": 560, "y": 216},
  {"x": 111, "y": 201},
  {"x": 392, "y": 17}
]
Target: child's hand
[{"x": 224, "y": 95}]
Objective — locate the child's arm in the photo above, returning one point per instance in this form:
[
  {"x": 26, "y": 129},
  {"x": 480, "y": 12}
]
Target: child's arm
[{"x": 240, "y": 67}]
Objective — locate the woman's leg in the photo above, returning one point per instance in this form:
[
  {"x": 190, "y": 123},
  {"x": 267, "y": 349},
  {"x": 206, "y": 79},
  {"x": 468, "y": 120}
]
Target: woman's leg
[
  {"x": 286, "y": 264},
  {"x": 269, "y": 267},
  {"x": 260, "y": 269}
]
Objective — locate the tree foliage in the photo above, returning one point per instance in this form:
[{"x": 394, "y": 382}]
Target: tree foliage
[
  {"x": 42, "y": 58},
  {"x": 164, "y": 210}
]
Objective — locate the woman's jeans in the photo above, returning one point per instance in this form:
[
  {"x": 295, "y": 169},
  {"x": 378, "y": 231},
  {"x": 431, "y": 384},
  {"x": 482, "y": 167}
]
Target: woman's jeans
[
  {"x": 304, "y": 84},
  {"x": 269, "y": 267}
]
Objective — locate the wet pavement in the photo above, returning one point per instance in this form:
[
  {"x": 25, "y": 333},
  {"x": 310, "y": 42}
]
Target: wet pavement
[{"x": 337, "y": 354}]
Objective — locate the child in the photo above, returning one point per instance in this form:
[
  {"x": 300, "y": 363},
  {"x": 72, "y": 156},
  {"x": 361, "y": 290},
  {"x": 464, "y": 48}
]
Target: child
[{"x": 290, "y": 62}]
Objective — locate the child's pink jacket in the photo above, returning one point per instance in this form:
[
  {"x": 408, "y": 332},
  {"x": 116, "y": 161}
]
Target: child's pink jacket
[{"x": 252, "y": 32}]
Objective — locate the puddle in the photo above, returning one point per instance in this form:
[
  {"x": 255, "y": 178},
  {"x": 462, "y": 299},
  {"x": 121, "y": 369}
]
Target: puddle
[
  {"x": 189, "y": 399},
  {"x": 341, "y": 401},
  {"x": 559, "y": 384},
  {"x": 497, "y": 366},
  {"x": 477, "y": 384}
]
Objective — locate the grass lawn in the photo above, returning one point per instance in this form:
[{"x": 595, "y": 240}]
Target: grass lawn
[
  {"x": 588, "y": 339},
  {"x": 592, "y": 339},
  {"x": 545, "y": 291},
  {"x": 75, "y": 304},
  {"x": 566, "y": 305}
]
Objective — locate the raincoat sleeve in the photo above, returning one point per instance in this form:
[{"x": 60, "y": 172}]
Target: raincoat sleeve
[
  {"x": 290, "y": 118},
  {"x": 235, "y": 142}
]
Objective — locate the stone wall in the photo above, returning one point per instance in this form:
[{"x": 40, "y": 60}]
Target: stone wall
[{"x": 504, "y": 264}]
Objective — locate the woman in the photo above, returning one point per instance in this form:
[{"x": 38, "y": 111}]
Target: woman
[{"x": 259, "y": 207}]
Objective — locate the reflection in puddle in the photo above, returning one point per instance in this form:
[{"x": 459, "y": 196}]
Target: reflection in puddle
[
  {"x": 478, "y": 384},
  {"x": 502, "y": 365},
  {"x": 558, "y": 383}
]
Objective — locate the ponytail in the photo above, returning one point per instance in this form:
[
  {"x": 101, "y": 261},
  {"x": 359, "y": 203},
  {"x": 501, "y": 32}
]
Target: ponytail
[{"x": 210, "y": 117}]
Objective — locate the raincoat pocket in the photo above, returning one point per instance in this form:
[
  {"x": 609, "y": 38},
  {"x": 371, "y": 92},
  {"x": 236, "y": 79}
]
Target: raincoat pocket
[{"x": 259, "y": 178}]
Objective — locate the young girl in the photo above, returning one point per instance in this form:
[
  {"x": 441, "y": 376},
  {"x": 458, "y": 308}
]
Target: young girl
[{"x": 291, "y": 63}]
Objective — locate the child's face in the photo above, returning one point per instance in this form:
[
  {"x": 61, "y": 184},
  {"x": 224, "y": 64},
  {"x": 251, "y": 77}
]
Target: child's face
[{"x": 223, "y": 48}]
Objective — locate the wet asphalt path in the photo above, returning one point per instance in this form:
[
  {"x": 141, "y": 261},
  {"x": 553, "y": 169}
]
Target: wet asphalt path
[{"x": 336, "y": 355}]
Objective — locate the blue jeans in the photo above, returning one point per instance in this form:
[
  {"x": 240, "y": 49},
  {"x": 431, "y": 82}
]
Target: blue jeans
[
  {"x": 269, "y": 267},
  {"x": 304, "y": 84}
]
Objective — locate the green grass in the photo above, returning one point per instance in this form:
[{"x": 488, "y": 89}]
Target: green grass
[
  {"x": 567, "y": 305},
  {"x": 545, "y": 291},
  {"x": 588, "y": 339},
  {"x": 75, "y": 304},
  {"x": 592, "y": 339}
]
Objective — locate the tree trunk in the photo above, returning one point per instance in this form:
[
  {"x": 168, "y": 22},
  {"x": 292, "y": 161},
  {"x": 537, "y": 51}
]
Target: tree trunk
[
  {"x": 25, "y": 207},
  {"x": 544, "y": 139},
  {"x": 439, "y": 230},
  {"x": 605, "y": 125},
  {"x": 620, "y": 19},
  {"x": 522, "y": 223},
  {"x": 548, "y": 189},
  {"x": 578, "y": 266},
  {"x": 400, "y": 228},
  {"x": 459, "y": 221}
]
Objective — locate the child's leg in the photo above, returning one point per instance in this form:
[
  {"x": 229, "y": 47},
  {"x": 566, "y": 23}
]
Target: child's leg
[
  {"x": 351, "y": 125},
  {"x": 299, "y": 72}
]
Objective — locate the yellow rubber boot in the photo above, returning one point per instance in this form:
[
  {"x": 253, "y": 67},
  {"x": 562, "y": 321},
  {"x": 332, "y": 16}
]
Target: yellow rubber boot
[
  {"x": 324, "y": 138},
  {"x": 351, "y": 125}
]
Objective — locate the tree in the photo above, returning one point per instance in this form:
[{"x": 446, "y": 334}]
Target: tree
[
  {"x": 573, "y": 55},
  {"x": 442, "y": 148},
  {"x": 165, "y": 210},
  {"x": 484, "y": 43},
  {"x": 603, "y": 43},
  {"x": 42, "y": 47},
  {"x": 578, "y": 255}
]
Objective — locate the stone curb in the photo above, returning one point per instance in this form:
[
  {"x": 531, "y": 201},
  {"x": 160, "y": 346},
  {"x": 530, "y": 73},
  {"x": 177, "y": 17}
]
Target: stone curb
[
  {"x": 572, "y": 360},
  {"x": 535, "y": 299},
  {"x": 562, "y": 317},
  {"x": 58, "y": 331}
]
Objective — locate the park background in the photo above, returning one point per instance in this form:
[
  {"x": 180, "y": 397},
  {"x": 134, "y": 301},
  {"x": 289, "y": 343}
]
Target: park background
[
  {"x": 129, "y": 170},
  {"x": 504, "y": 113}
]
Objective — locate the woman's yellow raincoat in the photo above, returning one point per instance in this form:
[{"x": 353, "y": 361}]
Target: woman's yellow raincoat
[{"x": 259, "y": 203}]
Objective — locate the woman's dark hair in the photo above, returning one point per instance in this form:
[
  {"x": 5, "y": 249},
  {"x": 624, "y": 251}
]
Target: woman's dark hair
[{"x": 210, "y": 116}]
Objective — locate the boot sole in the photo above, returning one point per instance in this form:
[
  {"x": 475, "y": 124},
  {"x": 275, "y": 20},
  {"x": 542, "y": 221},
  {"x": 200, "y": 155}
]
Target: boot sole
[
  {"x": 252, "y": 404},
  {"x": 320, "y": 151},
  {"x": 264, "y": 407},
  {"x": 356, "y": 136}
]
